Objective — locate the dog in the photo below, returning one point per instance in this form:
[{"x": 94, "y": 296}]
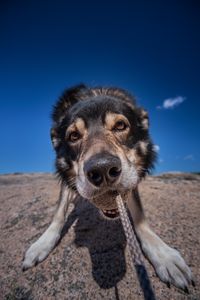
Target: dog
[{"x": 103, "y": 147}]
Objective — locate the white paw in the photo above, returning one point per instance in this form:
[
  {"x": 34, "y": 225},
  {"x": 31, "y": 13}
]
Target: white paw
[
  {"x": 40, "y": 249},
  {"x": 169, "y": 265}
]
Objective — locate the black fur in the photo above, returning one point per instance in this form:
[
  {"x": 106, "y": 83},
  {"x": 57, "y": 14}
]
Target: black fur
[{"x": 91, "y": 104}]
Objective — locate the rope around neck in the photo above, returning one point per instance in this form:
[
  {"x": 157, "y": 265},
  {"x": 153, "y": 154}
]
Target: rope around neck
[{"x": 135, "y": 251}]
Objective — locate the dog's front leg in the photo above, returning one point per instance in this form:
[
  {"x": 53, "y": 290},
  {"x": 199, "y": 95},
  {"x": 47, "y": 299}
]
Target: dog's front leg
[
  {"x": 168, "y": 263},
  {"x": 43, "y": 246}
]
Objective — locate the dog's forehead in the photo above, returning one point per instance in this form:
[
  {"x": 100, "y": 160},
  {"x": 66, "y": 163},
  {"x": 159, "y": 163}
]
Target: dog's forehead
[{"x": 97, "y": 108}]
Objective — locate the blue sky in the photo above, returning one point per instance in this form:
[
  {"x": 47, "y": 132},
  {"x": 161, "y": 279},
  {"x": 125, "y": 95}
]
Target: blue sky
[{"x": 150, "y": 48}]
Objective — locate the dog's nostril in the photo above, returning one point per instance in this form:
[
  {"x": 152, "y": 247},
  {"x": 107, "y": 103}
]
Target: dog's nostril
[
  {"x": 95, "y": 177},
  {"x": 102, "y": 169},
  {"x": 114, "y": 172}
]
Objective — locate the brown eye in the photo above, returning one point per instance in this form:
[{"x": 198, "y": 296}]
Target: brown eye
[
  {"x": 120, "y": 126},
  {"x": 74, "y": 136}
]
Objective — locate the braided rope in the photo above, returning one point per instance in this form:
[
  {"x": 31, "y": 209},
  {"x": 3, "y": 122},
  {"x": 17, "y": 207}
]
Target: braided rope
[{"x": 135, "y": 251}]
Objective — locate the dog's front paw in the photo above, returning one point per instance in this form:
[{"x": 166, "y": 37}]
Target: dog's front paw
[
  {"x": 174, "y": 269},
  {"x": 40, "y": 249},
  {"x": 35, "y": 254},
  {"x": 170, "y": 266}
]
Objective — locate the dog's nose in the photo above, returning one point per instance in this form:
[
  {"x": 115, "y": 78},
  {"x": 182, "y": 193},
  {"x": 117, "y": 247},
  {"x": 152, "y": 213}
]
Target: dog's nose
[{"x": 102, "y": 167}]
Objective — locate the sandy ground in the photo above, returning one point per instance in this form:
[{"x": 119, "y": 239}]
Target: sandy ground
[{"x": 92, "y": 260}]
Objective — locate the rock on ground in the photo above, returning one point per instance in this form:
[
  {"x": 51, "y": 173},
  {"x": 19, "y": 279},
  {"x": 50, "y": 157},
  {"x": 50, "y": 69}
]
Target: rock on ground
[{"x": 92, "y": 260}]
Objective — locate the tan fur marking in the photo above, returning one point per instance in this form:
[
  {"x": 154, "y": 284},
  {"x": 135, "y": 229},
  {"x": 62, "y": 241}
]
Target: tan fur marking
[
  {"x": 99, "y": 145},
  {"x": 62, "y": 163},
  {"x": 143, "y": 147},
  {"x": 131, "y": 155},
  {"x": 75, "y": 167},
  {"x": 112, "y": 118},
  {"x": 145, "y": 119},
  {"x": 145, "y": 123},
  {"x": 54, "y": 138},
  {"x": 144, "y": 113},
  {"x": 79, "y": 125}
]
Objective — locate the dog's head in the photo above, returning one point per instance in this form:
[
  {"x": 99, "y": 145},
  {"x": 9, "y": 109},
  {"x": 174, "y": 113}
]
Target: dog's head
[{"x": 102, "y": 142}]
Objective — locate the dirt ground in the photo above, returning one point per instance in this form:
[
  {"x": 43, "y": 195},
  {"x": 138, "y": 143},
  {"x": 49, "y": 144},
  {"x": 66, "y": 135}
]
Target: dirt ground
[{"x": 92, "y": 260}]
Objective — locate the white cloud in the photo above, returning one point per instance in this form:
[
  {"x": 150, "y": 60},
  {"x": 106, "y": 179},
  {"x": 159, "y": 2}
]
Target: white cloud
[
  {"x": 171, "y": 102},
  {"x": 189, "y": 157},
  {"x": 156, "y": 148}
]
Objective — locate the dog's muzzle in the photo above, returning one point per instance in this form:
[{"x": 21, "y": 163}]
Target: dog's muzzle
[{"x": 103, "y": 170}]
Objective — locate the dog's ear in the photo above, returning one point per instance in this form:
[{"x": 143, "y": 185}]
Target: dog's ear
[
  {"x": 143, "y": 119},
  {"x": 67, "y": 99}
]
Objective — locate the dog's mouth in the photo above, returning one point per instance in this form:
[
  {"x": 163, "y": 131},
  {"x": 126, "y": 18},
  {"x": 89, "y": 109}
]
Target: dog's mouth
[
  {"x": 111, "y": 213},
  {"x": 107, "y": 204}
]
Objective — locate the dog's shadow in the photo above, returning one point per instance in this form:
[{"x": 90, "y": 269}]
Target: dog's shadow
[{"x": 104, "y": 239}]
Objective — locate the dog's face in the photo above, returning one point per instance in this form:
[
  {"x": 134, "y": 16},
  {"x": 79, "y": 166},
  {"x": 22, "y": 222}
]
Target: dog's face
[{"x": 102, "y": 143}]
